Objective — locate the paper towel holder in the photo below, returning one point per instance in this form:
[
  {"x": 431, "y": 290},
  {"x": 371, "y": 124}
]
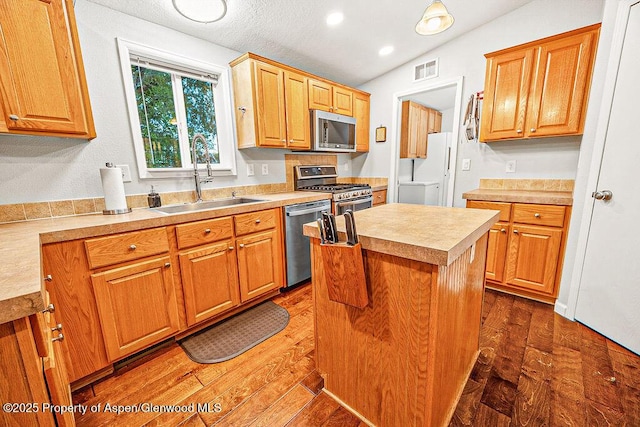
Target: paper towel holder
[{"x": 115, "y": 211}]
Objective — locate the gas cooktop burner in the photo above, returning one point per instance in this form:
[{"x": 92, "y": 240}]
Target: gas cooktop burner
[{"x": 335, "y": 187}]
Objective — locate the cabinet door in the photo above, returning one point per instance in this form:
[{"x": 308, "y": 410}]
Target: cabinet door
[
  {"x": 507, "y": 83},
  {"x": 361, "y": 111},
  {"x": 210, "y": 281},
  {"x": 560, "y": 89},
  {"x": 409, "y": 130},
  {"x": 137, "y": 305},
  {"x": 297, "y": 111},
  {"x": 260, "y": 268},
  {"x": 55, "y": 372},
  {"x": 41, "y": 75},
  {"x": 272, "y": 128},
  {"x": 422, "y": 133},
  {"x": 342, "y": 101},
  {"x": 533, "y": 257},
  {"x": 320, "y": 95},
  {"x": 497, "y": 251}
]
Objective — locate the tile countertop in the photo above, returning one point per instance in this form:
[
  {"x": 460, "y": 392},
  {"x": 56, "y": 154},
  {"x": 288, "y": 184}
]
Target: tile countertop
[
  {"x": 430, "y": 234},
  {"x": 564, "y": 198},
  {"x": 21, "y": 278}
]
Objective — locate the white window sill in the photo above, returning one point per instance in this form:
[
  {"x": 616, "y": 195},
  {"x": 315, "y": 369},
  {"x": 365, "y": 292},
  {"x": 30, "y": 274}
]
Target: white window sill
[{"x": 182, "y": 173}]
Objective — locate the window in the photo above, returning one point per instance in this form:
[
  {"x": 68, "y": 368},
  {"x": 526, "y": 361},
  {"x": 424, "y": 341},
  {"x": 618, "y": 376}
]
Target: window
[{"x": 170, "y": 100}]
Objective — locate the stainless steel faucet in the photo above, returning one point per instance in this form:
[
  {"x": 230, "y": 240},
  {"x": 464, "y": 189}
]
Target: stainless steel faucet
[{"x": 194, "y": 158}]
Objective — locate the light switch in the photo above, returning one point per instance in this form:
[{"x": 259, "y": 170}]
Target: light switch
[
  {"x": 265, "y": 169},
  {"x": 126, "y": 173},
  {"x": 511, "y": 166},
  {"x": 466, "y": 164},
  {"x": 250, "y": 171}
]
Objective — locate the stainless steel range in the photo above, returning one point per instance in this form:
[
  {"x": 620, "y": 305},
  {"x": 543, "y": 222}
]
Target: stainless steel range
[{"x": 324, "y": 178}]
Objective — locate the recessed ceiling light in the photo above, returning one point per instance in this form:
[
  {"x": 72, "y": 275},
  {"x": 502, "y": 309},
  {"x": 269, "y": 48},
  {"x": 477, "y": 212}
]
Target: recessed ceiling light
[
  {"x": 385, "y": 50},
  {"x": 334, "y": 18}
]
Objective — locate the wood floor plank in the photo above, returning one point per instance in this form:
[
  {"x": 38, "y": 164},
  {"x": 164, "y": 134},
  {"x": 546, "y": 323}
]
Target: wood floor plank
[
  {"x": 467, "y": 405},
  {"x": 193, "y": 421},
  {"x": 315, "y": 413},
  {"x": 341, "y": 418},
  {"x": 285, "y": 408},
  {"x": 532, "y": 404},
  {"x": 500, "y": 311},
  {"x": 314, "y": 382},
  {"x": 499, "y": 394},
  {"x": 626, "y": 367},
  {"x": 599, "y": 380},
  {"x": 537, "y": 364},
  {"x": 566, "y": 333},
  {"x": 567, "y": 391},
  {"x": 508, "y": 360},
  {"x": 541, "y": 332},
  {"x": 490, "y": 417},
  {"x": 600, "y": 415}
]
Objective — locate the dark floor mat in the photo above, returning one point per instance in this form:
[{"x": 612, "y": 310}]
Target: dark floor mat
[{"x": 237, "y": 334}]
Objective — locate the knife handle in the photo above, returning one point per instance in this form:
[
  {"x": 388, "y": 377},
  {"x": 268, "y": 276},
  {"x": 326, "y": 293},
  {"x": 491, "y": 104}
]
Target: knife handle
[{"x": 323, "y": 238}]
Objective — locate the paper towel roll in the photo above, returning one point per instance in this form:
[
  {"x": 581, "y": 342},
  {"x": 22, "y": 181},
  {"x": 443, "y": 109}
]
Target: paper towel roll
[{"x": 113, "y": 187}]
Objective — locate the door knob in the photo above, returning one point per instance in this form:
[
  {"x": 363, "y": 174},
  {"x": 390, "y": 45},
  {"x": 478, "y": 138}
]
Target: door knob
[{"x": 602, "y": 195}]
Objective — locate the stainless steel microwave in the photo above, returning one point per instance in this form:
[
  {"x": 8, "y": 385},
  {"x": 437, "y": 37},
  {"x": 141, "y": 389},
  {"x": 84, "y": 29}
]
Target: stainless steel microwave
[{"x": 332, "y": 132}]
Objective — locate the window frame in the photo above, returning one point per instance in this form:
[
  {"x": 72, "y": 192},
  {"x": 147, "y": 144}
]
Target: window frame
[{"x": 221, "y": 99}]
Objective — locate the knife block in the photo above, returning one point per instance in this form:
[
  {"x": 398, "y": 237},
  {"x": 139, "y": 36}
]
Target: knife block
[{"x": 344, "y": 274}]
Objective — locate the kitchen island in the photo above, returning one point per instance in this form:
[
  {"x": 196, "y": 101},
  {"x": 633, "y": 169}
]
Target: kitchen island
[{"x": 404, "y": 358}]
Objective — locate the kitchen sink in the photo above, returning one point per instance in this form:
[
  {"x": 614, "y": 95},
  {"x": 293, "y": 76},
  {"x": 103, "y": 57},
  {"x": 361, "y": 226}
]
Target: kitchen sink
[{"x": 202, "y": 206}]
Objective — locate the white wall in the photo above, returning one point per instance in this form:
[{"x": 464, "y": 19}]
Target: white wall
[
  {"x": 464, "y": 56},
  {"x": 44, "y": 168}
]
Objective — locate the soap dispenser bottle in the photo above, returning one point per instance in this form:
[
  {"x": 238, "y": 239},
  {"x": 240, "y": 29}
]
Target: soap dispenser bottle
[{"x": 154, "y": 199}]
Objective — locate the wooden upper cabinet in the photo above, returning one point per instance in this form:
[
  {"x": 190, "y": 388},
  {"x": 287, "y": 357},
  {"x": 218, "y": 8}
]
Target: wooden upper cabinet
[
  {"x": 43, "y": 89},
  {"x": 270, "y": 110},
  {"x": 506, "y": 93},
  {"x": 297, "y": 111},
  {"x": 361, "y": 105},
  {"x": 540, "y": 88},
  {"x": 327, "y": 97},
  {"x": 414, "y": 130}
]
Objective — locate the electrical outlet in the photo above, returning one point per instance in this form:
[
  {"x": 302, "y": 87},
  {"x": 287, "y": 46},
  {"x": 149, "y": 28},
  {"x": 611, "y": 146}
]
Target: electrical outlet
[
  {"x": 126, "y": 173},
  {"x": 466, "y": 164},
  {"x": 346, "y": 167},
  {"x": 511, "y": 166},
  {"x": 265, "y": 169},
  {"x": 250, "y": 171}
]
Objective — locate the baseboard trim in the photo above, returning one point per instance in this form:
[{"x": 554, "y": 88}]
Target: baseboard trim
[{"x": 561, "y": 309}]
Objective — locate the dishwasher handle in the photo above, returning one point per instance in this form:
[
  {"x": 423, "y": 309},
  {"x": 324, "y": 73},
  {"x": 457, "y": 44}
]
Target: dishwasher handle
[{"x": 307, "y": 211}]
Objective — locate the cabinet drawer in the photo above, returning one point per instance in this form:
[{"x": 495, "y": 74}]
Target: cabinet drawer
[
  {"x": 203, "y": 232},
  {"x": 255, "y": 221},
  {"x": 550, "y": 215},
  {"x": 504, "y": 208},
  {"x": 126, "y": 247},
  {"x": 379, "y": 197}
]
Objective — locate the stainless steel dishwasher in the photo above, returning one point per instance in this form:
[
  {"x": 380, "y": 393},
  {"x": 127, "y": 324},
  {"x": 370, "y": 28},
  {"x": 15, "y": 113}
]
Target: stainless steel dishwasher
[{"x": 297, "y": 244}]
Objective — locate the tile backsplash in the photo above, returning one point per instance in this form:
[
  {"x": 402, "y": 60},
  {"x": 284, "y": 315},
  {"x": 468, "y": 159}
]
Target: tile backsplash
[{"x": 528, "y": 184}]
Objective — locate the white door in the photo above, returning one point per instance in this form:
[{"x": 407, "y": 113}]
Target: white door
[{"x": 609, "y": 293}]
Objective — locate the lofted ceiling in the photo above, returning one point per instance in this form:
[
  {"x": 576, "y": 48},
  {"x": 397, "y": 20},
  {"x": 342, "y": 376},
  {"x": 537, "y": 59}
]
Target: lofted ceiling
[{"x": 294, "y": 32}]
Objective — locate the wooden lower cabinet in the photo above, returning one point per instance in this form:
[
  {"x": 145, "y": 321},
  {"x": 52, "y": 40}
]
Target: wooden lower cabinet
[
  {"x": 534, "y": 254},
  {"x": 260, "y": 266},
  {"x": 524, "y": 258},
  {"x": 209, "y": 280},
  {"x": 379, "y": 197},
  {"x": 137, "y": 305},
  {"x": 497, "y": 251}
]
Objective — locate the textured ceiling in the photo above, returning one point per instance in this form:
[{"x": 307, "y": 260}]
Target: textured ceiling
[{"x": 294, "y": 31}]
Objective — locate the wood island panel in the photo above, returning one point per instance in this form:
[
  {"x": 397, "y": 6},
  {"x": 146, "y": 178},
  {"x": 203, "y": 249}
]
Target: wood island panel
[{"x": 405, "y": 358}]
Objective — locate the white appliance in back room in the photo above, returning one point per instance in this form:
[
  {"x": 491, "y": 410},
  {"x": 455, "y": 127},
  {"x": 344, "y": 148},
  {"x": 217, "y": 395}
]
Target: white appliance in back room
[{"x": 430, "y": 175}]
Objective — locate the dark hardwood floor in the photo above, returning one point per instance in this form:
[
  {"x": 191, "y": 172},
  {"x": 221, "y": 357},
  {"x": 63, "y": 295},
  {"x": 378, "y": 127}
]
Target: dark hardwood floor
[{"x": 535, "y": 368}]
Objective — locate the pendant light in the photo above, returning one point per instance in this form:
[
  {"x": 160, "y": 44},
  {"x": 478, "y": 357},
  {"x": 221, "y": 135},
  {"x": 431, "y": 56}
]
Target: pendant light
[
  {"x": 203, "y": 11},
  {"x": 435, "y": 20}
]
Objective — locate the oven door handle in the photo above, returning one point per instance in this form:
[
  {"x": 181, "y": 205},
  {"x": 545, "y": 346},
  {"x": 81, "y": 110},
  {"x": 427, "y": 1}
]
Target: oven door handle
[
  {"x": 307, "y": 211},
  {"x": 356, "y": 202}
]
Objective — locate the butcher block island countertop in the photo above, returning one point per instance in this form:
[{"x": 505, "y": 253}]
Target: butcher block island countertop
[
  {"x": 404, "y": 358},
  {"x": 21, "y": 278}
]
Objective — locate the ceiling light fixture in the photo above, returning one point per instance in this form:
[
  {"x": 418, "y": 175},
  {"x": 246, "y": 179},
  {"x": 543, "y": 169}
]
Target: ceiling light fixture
[
  {"x": 436, "y": 19},
  {"x": 203, "y": 11},
  {"x": 385, "y": 50},
  {"x": 334, "y": 18}
]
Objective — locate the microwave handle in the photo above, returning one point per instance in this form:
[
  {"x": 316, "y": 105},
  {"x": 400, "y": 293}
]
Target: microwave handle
[{"x": 325, "y": 132}]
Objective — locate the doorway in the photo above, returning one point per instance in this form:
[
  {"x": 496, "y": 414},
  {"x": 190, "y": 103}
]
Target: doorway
[{"x": 438, "y": 169}]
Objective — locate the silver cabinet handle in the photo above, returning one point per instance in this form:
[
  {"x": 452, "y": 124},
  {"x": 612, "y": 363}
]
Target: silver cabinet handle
[
  {"x": 284, "y": 140},
  {"x": 291, "y": 141},
  {"x": 48, "y": 278},
  {"x": 58, "y": 338},
  {"x": 537, "y": 215},
  {"x": 231, "y": 248},
  {"x": 14, "y": 117},
  {"x": 602, "y": 195},
  {"x": 515, "y": 231},
  {"x": 57, "y": 328},
  {"x": 241, "y": 245},
  {"x": 167, "y": 264},
  {"x": 257, "y": 221},
  {"x": 503, "y": 230},
  {"x": 533, "y": 130},
  {"x": 50, "y": 308},
  {"x": 519, "y": 131},
  {"x": 132, "y": 247},
  {"x": 207, "y": 230}
]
